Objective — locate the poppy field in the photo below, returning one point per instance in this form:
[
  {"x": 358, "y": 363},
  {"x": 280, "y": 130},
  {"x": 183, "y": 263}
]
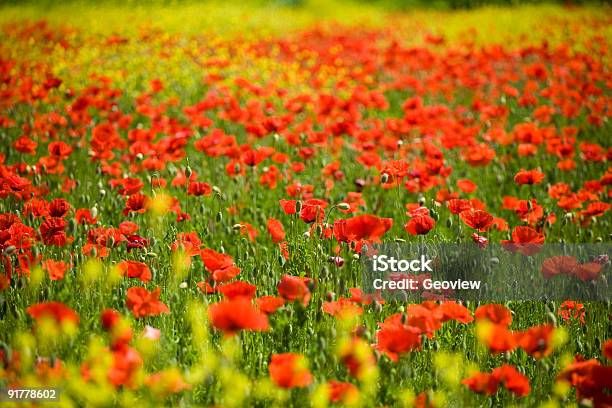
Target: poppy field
[{"x": 188, "y": 192}]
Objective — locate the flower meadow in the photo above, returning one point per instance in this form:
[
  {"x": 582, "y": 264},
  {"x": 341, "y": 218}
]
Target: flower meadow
[{"x": 186, "y": 193}]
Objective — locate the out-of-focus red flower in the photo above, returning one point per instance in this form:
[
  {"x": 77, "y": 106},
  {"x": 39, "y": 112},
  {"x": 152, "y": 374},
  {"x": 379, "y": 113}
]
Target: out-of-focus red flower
[
  {"x": 143, "y": 303},
  {"x": 607, "y": 349},
  {"x": 342, "y": 308},
  {"x": 289, "y": 370},
  {"x": 525, "y": 240},
  {"x": 466, "y": 185},
  {"x": 294, "y": 288},
  {"x": 455, "y": 311},
  {"x": 288, "y": 206},
  {"x": 135, "y": 269},
  {"x": 537, "y": 340},
  {"x": 237, "y": 289},
  {"x": 237, "y": 314},
  {"x": 479, "y": 155},
  {"x": 458, "y": 205},
  {"x": 591, "y": 379},
  {"x": 528, "y": 177},
  {"x": 269, "y": 304},
  {"x": 197, "y": 188},
  {"x": 276, "y": 230},
  {"x": 342, "y": 392},
  {"x": 221, "y": 266},
  {"x": 54, "y": 310},
  {"x": 506, "y": 375},
  {"x": 83, "y": 215},
  {"x": 495, "y": 313},
  {"x": 558, "y": 265},
  {"x": 55, "y": 269},
  {"x": 588, "y": 271}
]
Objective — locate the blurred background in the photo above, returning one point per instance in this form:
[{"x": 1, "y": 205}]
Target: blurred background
[{"x": 389, "y": 4}]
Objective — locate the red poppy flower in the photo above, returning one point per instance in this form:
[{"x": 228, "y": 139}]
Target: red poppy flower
[
  {"x": 135, "y": 269},
  {"x": 479, "y": 155},
  {"x": 136, "y": 203},
  {"x": 221, "y": 266},
  {"x": 125, "y": 366},
  {"x": 59, "y": 149},
  {"x": 294, "y": 288},
  {"x": 528, "y": 177},
  {"x": 458, "y": 205},
  {"x": 455, "y": 311},
  {"x": 143, "y": 303},
  {"x": 52, "y": 231},
  {"x": 607, "y": 349},
  {"x": 498, "y": 314},
  {"x": 478, "y": 219},
  {"x": 136, "y": 242},
  {"x": 276, "y": 230},
  {"x": 55, "y": 269},
  {"x": 525, "y": 240},
  {"x": 420, "y": 225},
  {"x": 83, "y": 215},
  {"x": 536, "y": 341},
  {"x": 289, "y": 370},
  {"x": 269, "y": 304},
  {"x": 59, "y": 207},
  {"x": 237, "y": 314},
  {"x": 558, "y": 265},
  {"x": 482, "y": 383},
  {"x": 313, "y": 210},
  {"x": 342, "y": 308},
  {"x": 120, "y": 330},
  {"x": 288, "y": 206},
  {"x": 466, "y": 185},
  {"x": 362, "y": 227},
  {"x": 572, "y": 310},
  {"x": 395, "y": 338},
  {"x": 54, "y": 310},
  {"x": 505, "y": 375},
  {"x": 342, "y": 392},
  {"x": 499, "y": 339},
  {"x": 591, "y": 379},
  {"x": 237, "y": 289},
  {"x": 588, "y": 271},
  {"x": 197, "y": 188}
]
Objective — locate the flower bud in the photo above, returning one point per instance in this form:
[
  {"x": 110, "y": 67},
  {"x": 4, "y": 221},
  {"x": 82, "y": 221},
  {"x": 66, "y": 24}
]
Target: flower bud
[
  {"x": 344, "y": 206},
  {"x": 9, "y": 250},
  {"x": 337, "y": 260},
  {"x": 384, "y": 178}
]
